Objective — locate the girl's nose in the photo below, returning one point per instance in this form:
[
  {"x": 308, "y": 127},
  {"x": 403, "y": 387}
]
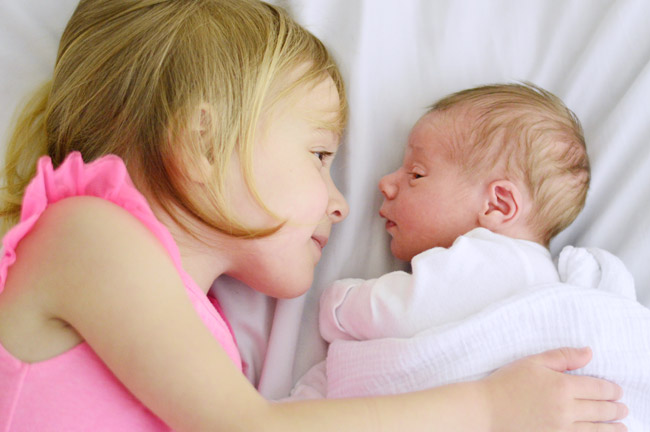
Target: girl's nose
[
  {"x": 337, "y": 208},
  {"x": 387, "y": 185}
]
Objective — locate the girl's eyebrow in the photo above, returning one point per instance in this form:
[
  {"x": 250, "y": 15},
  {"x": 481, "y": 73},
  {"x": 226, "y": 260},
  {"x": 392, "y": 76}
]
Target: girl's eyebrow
[
  {"x": 332, "y": 134},
  {"x": 326, "y": 120}
]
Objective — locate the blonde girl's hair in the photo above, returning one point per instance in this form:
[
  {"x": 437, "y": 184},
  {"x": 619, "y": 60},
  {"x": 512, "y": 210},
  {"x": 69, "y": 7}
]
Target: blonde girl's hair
[
  {"x": 524, "y": 133},
  {"x": 132, "y": 77}
]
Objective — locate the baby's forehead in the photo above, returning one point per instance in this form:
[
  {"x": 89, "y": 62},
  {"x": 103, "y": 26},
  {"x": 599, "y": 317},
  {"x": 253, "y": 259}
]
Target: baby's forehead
[
  {"x": 462, "y": 113},
  {"x": 450, "y": 126}
]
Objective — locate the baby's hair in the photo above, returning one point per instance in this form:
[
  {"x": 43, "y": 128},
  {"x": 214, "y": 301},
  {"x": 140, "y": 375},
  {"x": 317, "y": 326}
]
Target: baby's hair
[
  {"x": 527, "y": 134},
  {"x": 133, "y": 77}
]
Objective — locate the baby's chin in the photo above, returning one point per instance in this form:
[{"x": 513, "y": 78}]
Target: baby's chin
[{"x": 400, "y": 253}]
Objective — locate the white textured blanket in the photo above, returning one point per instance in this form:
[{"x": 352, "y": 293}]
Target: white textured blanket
[{"x": 595, "y": 307}]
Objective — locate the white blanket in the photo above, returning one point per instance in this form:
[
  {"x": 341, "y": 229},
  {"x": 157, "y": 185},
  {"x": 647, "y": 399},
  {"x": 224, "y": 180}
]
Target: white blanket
[{"x": 597, "y": 309}]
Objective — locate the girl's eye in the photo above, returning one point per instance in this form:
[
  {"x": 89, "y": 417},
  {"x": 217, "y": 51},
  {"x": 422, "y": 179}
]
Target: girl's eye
[
  {"x": 415, "y": 176},
  {"x": 323, "y": 156}
]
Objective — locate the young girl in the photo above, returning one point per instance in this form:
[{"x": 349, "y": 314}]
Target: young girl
[{"x": 178, "y": 141}]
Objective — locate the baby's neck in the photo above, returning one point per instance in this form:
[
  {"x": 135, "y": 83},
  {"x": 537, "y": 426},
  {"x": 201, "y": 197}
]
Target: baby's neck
[{"x": 521, "y": 232}]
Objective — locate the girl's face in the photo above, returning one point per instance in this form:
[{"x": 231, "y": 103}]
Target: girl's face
[{"x": 292, "y": 158}]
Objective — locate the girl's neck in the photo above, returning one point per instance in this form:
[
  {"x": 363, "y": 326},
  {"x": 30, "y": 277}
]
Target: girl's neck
[
  {"x": 202, "y": 268},
  {"x": 203, "y": 262}
]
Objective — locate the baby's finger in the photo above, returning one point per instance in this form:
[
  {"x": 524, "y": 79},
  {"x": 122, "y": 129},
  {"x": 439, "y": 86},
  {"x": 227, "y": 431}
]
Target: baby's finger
[
  {"x": 598, "y": 411},
  {"x": 599, "y": 427},
  {"x": 596, "y": 389}
]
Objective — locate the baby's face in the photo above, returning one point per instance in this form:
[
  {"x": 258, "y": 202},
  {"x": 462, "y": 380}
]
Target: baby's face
[{"x": 428, "y": 202}]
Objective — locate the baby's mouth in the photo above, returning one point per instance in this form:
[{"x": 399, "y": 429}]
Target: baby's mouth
[{"x": 389, "y": 223}]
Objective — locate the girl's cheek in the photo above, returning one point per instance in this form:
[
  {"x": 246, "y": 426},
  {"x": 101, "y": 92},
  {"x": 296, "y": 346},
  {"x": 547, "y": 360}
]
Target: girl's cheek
[{"x": 316, "y": 201}]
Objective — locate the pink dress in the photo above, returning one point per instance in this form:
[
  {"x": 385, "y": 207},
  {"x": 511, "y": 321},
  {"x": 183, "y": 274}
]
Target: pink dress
[{"x": 75, "y": 391}]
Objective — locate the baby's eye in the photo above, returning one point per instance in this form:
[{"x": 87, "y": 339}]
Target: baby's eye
[{"x": 416, "y": 176}]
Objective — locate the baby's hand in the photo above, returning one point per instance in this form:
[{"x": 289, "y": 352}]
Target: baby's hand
[{"x": 533, "y": 394}]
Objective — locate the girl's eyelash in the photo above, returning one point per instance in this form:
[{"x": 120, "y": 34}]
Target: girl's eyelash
[{"x": 323, "y": 156}]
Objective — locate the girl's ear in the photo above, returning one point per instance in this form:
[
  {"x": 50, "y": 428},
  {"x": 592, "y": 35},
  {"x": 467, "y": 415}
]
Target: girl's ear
[
  {"x": 200, "y": 132},
  {"x": 204, "y": 117},
  {"x": 502, "y": 206}
]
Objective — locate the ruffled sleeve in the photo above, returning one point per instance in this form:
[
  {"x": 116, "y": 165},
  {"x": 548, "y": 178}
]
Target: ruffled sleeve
[{"x": 105, "y": 178}]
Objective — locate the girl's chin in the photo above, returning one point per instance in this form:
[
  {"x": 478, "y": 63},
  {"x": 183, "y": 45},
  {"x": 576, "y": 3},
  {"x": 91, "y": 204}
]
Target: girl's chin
[
  {"x": 290, "y": 294},
  {"x": 289, "y": 289}
]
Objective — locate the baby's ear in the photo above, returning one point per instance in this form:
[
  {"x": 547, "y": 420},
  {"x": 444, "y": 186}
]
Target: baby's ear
[{"x": 501, "y": 206}]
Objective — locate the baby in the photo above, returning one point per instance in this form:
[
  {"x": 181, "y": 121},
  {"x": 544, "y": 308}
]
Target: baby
[{"x": 490, "y": 175}]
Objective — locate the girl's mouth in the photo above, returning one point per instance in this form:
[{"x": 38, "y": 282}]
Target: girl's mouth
[{"x": 320, "y": 241}]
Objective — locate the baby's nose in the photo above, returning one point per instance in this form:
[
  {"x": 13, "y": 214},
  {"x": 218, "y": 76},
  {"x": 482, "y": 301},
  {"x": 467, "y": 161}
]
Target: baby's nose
[{"x": 387, "y": 186}]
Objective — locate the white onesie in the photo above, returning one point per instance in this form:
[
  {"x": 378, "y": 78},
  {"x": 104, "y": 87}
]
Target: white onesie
[{"x": 447, "y": 284}]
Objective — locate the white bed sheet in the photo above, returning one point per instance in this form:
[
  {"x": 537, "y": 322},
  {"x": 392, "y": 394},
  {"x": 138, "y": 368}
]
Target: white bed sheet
[{"x": 397, "y": 58}]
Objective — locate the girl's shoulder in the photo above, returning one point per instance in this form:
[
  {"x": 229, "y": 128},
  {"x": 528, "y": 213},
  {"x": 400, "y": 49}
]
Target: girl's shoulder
[
  {"x": 83, "y": 245},
  {"x": 88, "y": 231},
  {"x": 81, "y": 252},
  {"x": 92, "y": 224},
  {"x": 80, "y": 220}
]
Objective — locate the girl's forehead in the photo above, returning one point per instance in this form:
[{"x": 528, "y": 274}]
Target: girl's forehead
[
  {"x": 319, "y": 98},
  {"x": 317, "y": 103},
  {"x": 309, "y": 113}
]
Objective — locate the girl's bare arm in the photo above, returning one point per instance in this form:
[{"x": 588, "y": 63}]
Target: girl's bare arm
[{"x": 113, "y": 282}]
